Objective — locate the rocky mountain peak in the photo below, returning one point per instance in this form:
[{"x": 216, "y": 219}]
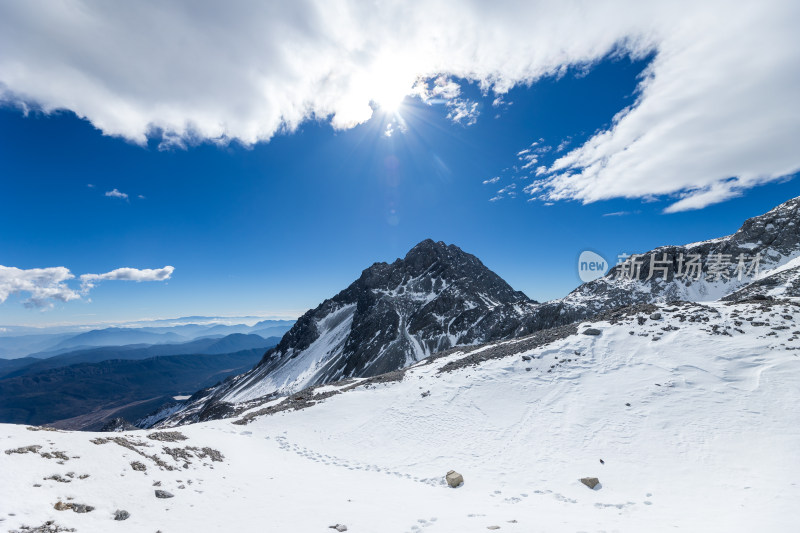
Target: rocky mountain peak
[
  {"x": 723, "y": 265},
  {"x": 437, "y": 296}
]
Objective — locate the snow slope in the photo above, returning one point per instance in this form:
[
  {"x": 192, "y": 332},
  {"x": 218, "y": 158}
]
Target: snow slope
[{"x": 710, "y": 441}]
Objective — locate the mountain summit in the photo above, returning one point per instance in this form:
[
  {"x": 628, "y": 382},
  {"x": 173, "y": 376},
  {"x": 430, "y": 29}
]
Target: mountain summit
[{"x": 394, "y": 314}]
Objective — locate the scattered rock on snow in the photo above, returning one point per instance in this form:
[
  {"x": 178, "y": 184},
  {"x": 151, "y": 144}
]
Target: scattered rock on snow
[
  {"x": 164, "y": 494},
  {"x": 167, "y": 436},
  {"x": 454, "y": 479},
  {"x": 139, "y": 467},
  {"x": 590, "y": 482},
  {"x": 120, "y": 514},
  {"x": 76, "y": 507},
  {"x": 338, "y": 527},
  {"x": 48, "y": 527},
  {"x": 81, "y": 508},
  {"x": 591, "y": 331},
  {"x": 655, "y": 316},
  {"x": 34, "y": 448}
]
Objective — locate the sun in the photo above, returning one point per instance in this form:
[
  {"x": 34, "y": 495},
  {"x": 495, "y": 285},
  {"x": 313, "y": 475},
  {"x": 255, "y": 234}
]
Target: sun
[{"x": 390, "y": 102}]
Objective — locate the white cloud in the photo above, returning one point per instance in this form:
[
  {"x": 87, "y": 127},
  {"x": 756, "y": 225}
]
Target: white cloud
[
  {"x": 716, "y": 113},
  {"x": 620, "y": 213},
  {"x": 128, "y": 274},
  {"x": 41, "y": 284},
  {"x": 463, "y": 111},
  {"x": 530, "y": 160},
  {"x": 46, "y": 285},
  {"x": 116, "y": 194},
  {"x": 491, "y": 180}
]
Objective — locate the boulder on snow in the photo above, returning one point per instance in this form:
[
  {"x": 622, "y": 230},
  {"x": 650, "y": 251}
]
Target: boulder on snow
[
  {"x": 454, "y": 479},
  {"x": 590, "y": 482},
  {"x": 164, "y": 494},
  {"x": 120, "y": 514},
  {"x": 338, "y": 527},
  {"x": 655, "y": 316},
  {"x": 591, "y": 331}
]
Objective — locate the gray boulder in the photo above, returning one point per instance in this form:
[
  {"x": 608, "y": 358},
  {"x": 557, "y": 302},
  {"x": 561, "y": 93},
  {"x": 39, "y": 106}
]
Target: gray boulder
[
  {"x": 590, "y": 482},
  {"x": 164, "y": 494},
  {"x": 121, "y": 515},
  {"x": 454, "y": 479}
]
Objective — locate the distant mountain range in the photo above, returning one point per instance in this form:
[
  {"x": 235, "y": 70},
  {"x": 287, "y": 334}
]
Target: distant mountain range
[
  {"x": 84, "y": 389},
  {"x": 438, "y": 297},
  {"x": 205, "y": 346},
  {"x": 54, "y": 341}
]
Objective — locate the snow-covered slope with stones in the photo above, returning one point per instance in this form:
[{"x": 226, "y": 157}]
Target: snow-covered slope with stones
[
  {"x": 692, "y": 412},
  {"x": 774, "y": 237}
]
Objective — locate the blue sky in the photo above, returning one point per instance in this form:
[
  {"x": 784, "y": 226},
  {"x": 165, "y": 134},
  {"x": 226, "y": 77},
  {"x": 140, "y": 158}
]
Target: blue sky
[
  {"x": 276, "y": 228},
  {"x": 273, "y": 226}
]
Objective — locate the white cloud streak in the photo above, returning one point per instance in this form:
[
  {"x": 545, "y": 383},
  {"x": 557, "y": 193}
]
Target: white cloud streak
[
  {"x": 128, "y": 274},
  {"x": 716, "y": 113},
  {"x": 116, "y": 194},
  {"x": 44, "y": 286}
]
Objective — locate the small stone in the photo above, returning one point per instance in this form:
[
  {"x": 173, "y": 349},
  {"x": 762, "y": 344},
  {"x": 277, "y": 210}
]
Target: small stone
[
  {"x": 590, "y": 482},
  {"x": 61, "y": 506},
  {"x": 121, "y": 515},
  {"x": 139, "y": 467},
  {"x": 592, "y": 331},
  {"x": 454, "y": 479},
  {"x": 492, "y": 527},
  {"x": 164, "y": 494},
  {"x": 338, "y": 527},
  {"x": 655, "y": 316},
  {"x": 526, "y": 357},
  {"x": 81, "y": 508}
]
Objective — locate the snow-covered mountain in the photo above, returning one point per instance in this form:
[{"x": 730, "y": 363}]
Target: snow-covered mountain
[
  {"x": 392, "y": 316},
  {"x": 725, "y": 265},
  {"x": 439, "y": 297},
  {"x": 685, "y": 413}
]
